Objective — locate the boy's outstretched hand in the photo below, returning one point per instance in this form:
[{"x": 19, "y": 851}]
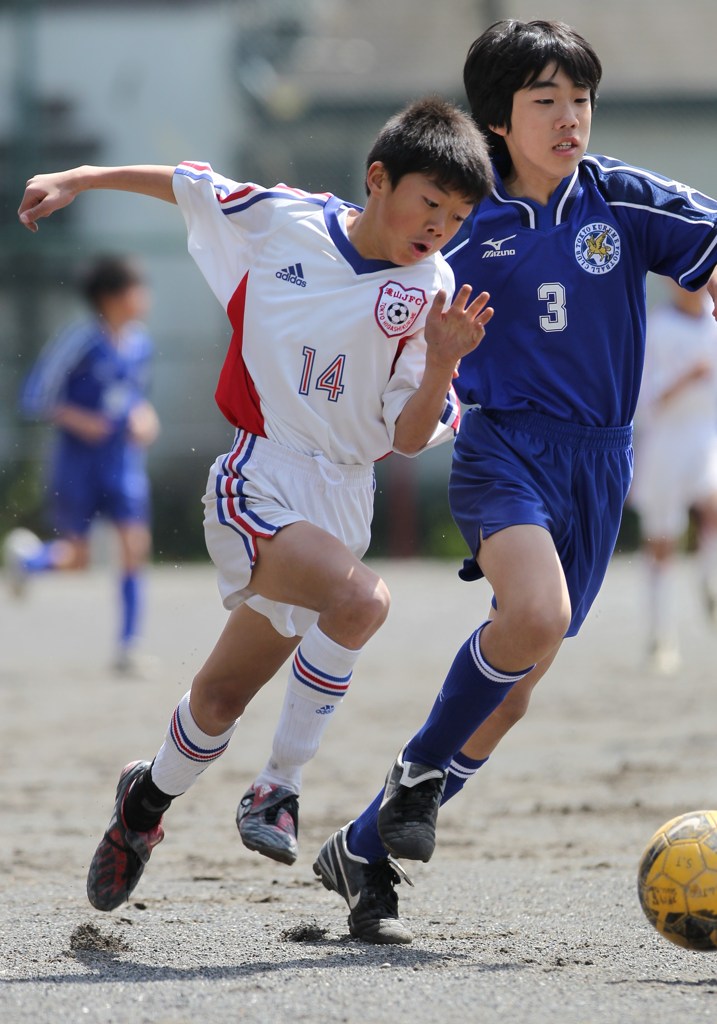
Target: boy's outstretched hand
[
  {"x": 45, "y": 193},
  {"x": 454, "y": 332}
]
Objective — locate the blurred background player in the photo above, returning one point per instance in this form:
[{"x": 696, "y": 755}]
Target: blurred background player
[
  {"x": 676, "y": 459},
  {"x": 90, "y": 382}
]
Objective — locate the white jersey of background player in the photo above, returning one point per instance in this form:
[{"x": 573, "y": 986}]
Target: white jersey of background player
[
  {"x": 342, "y": 350},
  {"x": 676, "y": 456}
]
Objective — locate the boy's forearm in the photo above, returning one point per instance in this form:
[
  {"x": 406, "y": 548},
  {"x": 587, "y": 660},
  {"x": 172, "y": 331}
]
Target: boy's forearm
[
  {"x": 46, "y": 193},
  {"x": 85, "y": 424},
  {"x": 422, "y": 412},
  {"x": 153, "y": 180}
]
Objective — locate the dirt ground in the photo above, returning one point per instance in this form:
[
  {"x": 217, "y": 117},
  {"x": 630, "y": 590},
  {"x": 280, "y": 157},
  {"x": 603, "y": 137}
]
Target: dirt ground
[{"x": 527, "y": 911}]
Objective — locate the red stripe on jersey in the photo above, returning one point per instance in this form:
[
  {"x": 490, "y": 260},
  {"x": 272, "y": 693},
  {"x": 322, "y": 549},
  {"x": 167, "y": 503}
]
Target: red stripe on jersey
[
  {"x": 236, "y": 393},
  {"x": 237, "y": 195},
  {"x": 291, "y": 189}
]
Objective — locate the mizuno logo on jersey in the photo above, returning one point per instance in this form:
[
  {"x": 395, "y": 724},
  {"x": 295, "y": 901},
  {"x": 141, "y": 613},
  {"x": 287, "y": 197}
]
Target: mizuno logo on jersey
[
  {"x": 496, "y": 247},
  {"x": 293, "y": 274}
]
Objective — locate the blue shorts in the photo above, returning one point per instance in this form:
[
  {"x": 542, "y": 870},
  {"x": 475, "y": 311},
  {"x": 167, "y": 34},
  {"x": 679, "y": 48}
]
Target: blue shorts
[
  {"x": 88, "y": 482},
  {"x": 513, "y": 468}
]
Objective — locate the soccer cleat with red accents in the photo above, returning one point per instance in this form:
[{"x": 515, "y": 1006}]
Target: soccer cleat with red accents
[
  {"x": 121, "y": 856},
  {"x": 268, "y": 821}
]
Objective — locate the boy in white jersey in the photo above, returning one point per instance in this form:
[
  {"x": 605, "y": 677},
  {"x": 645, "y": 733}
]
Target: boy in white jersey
[
  {"x": 342, "y": 351},
  {"x": 676, "y": 457}
]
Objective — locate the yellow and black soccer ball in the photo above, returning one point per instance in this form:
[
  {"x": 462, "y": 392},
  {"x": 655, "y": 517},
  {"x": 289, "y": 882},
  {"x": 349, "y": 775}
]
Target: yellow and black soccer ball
[{"x": 677, "y": 880}]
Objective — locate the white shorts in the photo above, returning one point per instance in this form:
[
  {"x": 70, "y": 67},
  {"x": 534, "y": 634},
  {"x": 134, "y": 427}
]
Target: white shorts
[
  {"x": 260, "y": 486},
  {"x": 674, "y": 470}
]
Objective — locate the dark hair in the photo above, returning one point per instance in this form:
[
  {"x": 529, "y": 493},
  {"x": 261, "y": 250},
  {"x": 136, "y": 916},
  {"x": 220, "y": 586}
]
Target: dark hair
[
  {"x": 436, "y": 138},
  {"x": 509, "y": 56},
  {"x": 109, "y": 275}
]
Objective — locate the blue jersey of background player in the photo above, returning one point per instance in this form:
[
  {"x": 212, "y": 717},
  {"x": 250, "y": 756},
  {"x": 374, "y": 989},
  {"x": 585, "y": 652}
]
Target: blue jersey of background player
[
  {"x": 91, "y": 383},
  {"x": 88, "y": 370},
  {"x": 543, "y": 460}
]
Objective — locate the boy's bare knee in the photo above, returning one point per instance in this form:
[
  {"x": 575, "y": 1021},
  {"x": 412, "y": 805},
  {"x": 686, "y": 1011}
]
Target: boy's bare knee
[
  {"x": 216, "y": 703},
  {"x": 368, "y": 604},
  {"x": 379, "y": 602},
  {"x": 78, "y": 560},
  {"x": 542, "y": 625},
  {"x": 359, "y": 611}
]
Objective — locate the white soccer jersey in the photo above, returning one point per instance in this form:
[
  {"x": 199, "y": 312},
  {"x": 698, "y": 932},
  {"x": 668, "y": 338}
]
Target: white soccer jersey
[
  {"x": 327, "y": 346},
  {"x": 676, "y": 440},
  {"x": 677, "y": 342}
]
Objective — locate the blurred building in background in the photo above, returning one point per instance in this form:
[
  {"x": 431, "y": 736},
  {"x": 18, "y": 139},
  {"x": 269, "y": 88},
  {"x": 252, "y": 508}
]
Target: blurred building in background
[{"x": 268, "y": 90}]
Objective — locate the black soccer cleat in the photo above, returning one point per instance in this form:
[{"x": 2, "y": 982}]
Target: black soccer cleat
[
  {"x": 369, "y": 890},
  {"x": 409, "y": 809}
]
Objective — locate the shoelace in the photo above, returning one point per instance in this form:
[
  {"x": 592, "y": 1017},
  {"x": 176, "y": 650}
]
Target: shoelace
[
  {"x": 381, "y": 880},
  {"x": 426, "y": 793}
]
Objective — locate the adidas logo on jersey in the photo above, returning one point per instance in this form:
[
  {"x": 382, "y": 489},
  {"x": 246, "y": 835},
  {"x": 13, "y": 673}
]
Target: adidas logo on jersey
[{"x": 293, "y": 274}]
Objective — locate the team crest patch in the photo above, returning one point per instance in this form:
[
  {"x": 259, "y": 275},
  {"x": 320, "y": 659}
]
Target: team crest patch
[
  {"x": 597, "y": 248},
  {"x": 398, "y": 307}
]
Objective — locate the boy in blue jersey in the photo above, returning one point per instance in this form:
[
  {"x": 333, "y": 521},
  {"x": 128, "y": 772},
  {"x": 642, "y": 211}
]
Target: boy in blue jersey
[
  {"x": 90, "y": 382},
  {"x": 543, "y": 461}
]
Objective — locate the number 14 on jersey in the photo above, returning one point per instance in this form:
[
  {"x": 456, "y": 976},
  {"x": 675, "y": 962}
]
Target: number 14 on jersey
[{"x": 329, "y": 380}]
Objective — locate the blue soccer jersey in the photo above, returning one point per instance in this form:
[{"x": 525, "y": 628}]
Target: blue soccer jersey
[
  {"x": 567, "y": 281},
  {"x": 83, "y": 366},
  {"x": 86, "y": 368}
]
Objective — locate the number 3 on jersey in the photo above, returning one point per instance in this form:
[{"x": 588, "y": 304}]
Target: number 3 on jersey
[
  {"x": 329, "y": 380},
  {"x": 556, "y": 314}
]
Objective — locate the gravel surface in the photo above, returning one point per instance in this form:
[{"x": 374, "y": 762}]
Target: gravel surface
[{"x": 527, "y": 911}]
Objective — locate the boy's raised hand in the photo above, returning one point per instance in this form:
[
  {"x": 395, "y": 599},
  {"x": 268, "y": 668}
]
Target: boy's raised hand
[
  {"x": 45, "y": 193},
  {"x": 454, "y": 332}
]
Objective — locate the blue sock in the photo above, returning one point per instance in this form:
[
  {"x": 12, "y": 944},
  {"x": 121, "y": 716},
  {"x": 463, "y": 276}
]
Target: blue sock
[
  {"x": 363, "y": 839},
  {"x": 42, "y": 560},
  {"x": 460, "y": 770},
  {"x": 131, "y": 597},
  {"x": 472, "y": 690}
]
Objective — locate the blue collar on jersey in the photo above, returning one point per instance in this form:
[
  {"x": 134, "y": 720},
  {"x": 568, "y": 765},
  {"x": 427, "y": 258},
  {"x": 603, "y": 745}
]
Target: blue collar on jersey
[
  {"x": 332, "y": 209},
  {"x": 529, "y": 213},
  {"x": 535, "y": 215}
]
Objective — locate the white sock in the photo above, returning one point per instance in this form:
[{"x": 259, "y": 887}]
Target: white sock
[
  {"x": 186, "y": 751},
  {"x": 318, "y": 680},
  {"x": 661, "y": 619}
]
